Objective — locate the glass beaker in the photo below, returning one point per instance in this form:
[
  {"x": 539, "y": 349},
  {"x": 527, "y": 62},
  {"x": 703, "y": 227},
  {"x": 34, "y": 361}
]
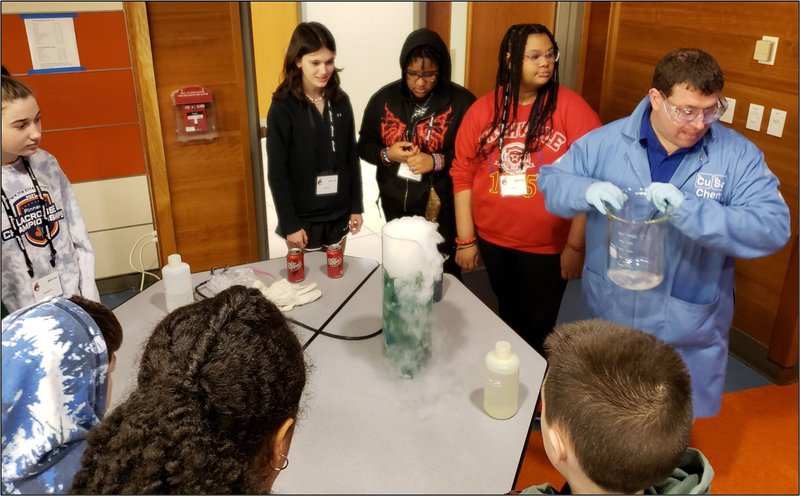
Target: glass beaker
[
  {"x": 636, "y": 236},
  {"x": 410, "y": 261}
]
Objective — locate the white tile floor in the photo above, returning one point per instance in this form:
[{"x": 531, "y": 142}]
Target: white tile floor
[{"x": 365, "y": 244}]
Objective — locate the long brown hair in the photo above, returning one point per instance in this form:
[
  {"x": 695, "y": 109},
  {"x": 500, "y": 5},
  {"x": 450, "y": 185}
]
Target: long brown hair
[{"x": 308, "y": 37}]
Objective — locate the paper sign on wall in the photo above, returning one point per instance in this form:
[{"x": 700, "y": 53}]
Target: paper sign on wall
[{"x": 52, "y": 43}]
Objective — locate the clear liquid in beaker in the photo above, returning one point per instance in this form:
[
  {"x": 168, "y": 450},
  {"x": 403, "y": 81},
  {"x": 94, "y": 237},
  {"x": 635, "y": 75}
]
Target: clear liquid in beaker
[
  {"x": 636, "y": 280},
  {"x": 636, "y": 237}
]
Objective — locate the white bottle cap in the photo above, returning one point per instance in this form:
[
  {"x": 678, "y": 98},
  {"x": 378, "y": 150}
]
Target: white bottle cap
[
  {"x": 174, "y": 260},
  {"x": 502, "y": 350}
]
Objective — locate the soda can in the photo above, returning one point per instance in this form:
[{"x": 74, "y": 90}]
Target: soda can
[
  {"x": 335, "y": 261},
  {"x": 295, "y": 265}
]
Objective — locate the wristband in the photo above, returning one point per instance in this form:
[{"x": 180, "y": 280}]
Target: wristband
[
  {"x": 579, "y": 249},
  {"x": 438, "y": 162},
  {"x": 462, "y": 242},
  {"x": 385, "y": 157},
  {"x": 464, "y": 247}
]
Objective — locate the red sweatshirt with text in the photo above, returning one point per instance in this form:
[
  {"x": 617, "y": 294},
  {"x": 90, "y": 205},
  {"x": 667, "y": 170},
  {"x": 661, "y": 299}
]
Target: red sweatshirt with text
[{"x": 517, "y": 222}]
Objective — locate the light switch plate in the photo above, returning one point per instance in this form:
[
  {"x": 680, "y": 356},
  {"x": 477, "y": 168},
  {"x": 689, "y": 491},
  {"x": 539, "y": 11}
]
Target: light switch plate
[
  {"x": 776, "y": 120},
  {"x": 728, "y": 115},
  {"x": 763, "y": 50},
  {"x": 773, "y": 52},
  {"x": 754, "y": 117}
]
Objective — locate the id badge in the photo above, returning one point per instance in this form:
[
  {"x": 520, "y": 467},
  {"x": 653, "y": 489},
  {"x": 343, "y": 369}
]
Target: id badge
[
  {"x": 513, "y": 185},
  {"x": 404, "y": 171},
  {"x": 46, "y": 287},
  {"x": 327, "y": 185}
]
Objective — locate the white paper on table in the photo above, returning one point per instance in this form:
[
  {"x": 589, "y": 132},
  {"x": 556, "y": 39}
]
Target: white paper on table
[{"x": 52, "y": 42}]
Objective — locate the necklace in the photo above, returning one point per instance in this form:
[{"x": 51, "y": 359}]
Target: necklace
[
  {"x": 317, "y": 99},
  {"x": 421, "y": 109}
]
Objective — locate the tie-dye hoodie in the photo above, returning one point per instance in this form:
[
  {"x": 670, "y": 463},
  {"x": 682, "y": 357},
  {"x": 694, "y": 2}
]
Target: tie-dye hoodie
[{"x": 54, "y": 390}]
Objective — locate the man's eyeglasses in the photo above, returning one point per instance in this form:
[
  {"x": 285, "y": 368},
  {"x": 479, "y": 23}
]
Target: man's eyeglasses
[
  {"x": 685, "y": 115},
  {"x": 428, "y": 77},
  {"x": 550, "y": 56}
]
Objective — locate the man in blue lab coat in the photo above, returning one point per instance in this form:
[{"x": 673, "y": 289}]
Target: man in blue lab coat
[{"x": 723, "y": 202}]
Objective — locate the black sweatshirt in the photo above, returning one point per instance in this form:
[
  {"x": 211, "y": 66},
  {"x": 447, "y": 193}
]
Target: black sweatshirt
[
  {"x": 386, "y": 121},
  {"x": 299, "y": 149}
]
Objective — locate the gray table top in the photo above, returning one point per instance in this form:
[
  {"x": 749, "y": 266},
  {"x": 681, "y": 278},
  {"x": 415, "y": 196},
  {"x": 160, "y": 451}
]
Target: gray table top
[
  {"x": 139, "y": 315},
  {"x": 362, "y": 428}
]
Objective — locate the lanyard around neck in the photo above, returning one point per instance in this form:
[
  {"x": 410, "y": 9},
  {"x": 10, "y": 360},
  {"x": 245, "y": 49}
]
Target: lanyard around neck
[
  {"x": 45, "y": 221},
  {"x": 333, "y": 136},
  {"x": 411, "y": 130}
]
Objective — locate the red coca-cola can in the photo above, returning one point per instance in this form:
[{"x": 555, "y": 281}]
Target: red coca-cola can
[
  {"x": 295, "y": 265},
  {"x": 335, "y": 261}
]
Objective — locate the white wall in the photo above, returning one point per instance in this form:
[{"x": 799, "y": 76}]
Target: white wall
[
  {"x": 369, "y": 37},
  {"x": 458, "y": 40}
]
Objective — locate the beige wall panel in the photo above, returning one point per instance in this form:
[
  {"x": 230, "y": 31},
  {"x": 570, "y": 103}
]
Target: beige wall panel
[
  {"x": 112, "y": 251},
  {"x": 114, "y": 203}
]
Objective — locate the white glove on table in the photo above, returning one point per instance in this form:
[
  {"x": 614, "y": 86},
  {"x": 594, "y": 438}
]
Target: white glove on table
[
  {"x": 602, "y": 192},
  {"x": 286, "y": 295},
  {"x": 666, "y": 197}
]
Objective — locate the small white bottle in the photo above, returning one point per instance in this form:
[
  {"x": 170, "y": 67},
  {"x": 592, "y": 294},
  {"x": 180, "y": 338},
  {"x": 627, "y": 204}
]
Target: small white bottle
[
  {"x": 501, "y": 389},
  {"x": 177, "y": 282}
]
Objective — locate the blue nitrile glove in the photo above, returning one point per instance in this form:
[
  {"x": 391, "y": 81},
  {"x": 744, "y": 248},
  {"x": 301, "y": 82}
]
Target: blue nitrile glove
[
  {"x": 666, "y": 197},
  {"x": 602, "y": 192}
]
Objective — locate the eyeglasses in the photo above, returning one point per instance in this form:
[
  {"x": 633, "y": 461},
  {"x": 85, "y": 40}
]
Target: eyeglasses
[
  {"x": 550, "y": 56},
  {"x": 428, "y": 77},
  {"x": 685, "y": 115}
]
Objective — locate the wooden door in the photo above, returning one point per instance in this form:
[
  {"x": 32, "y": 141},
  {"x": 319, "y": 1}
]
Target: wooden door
[
  {"x": 202, "y": 191},
  {"x": 487, "y": 23}
]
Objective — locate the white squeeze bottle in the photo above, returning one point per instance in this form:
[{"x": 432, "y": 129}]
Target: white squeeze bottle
[
  {"x": 501, "y": 389},
  {"x": 177, "y": 282}
]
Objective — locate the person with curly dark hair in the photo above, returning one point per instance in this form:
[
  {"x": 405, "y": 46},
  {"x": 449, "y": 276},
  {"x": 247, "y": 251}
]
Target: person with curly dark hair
[{"x": 214, "y": 409}]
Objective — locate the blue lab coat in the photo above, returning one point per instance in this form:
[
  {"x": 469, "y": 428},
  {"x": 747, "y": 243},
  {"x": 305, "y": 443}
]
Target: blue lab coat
[{"x": 732, "y": 209}]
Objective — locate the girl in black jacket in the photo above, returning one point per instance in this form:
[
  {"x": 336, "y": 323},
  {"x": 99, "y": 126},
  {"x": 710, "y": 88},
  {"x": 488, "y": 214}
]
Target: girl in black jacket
[
  {"x": 409, "y": 131},
  {"x": 313, "y": 167}
]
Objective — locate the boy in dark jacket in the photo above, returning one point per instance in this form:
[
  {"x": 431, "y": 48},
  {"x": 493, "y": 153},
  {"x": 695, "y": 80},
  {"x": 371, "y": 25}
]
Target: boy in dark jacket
[{"x": 617, "y": 414}]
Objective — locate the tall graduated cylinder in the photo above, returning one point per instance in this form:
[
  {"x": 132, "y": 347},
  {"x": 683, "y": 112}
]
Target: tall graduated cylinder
[
  {"x": 636, "y": 236},
  {"x": 410, "y": 261}
]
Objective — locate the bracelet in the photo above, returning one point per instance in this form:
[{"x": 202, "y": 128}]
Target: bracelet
[
  {"x": 464, "y": 247},
  {"x": 462, "y": 242},
  {"x": 579, "y": 249},
  {"x": 385, "y": 157},
  {"x": 438, "y": 162}
]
